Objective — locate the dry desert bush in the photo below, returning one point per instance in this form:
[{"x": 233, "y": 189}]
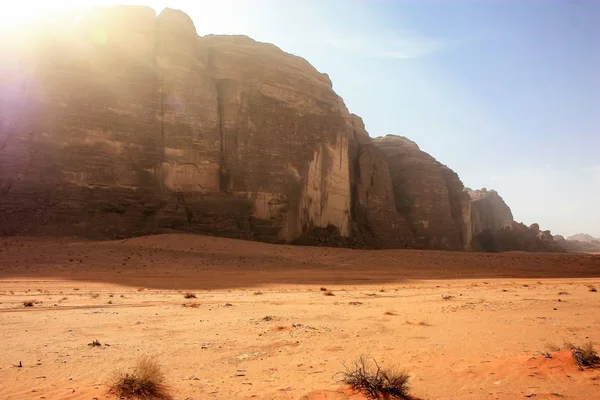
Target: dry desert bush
[
  {"x": 145, "y": 382},
  {"x": 585, "y": 355},
  {"x": 189, "y": 295},
  {"x": 376, "y": 382}
]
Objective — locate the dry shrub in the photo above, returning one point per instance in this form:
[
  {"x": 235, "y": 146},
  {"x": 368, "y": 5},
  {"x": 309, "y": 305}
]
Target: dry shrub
[
  {"x": 585, "y": 355},
  {"x": 189, "y": 295},
  {"x": 146, "y": 382},
  {"x": 323, "y": 289},
  {"x": 190, "y": 305},
  {"x": 447, "y": 297},
  {"x": 28, "y": 303},
  {"x": 328, "y": 293},
  {"x": 593, "y": 288},
  {"x": 375, "y": 382}
]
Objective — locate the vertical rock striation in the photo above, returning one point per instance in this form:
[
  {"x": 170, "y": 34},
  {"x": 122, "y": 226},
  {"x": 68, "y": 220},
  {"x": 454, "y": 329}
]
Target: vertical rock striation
[
  {"x": 429, "y": 195},
  {"x": 488, "y": 210},
  {"x": 127, "y": 123}
]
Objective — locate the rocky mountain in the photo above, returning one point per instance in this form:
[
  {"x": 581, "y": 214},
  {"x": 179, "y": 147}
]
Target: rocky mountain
[
  {"x": 127, "y": 123},
  {"x": 580, "y": 243},
  {"x": 583, "y": 237}
]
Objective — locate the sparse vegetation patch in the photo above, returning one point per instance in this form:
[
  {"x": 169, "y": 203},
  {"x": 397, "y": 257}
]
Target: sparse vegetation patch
[
  {"x": 585, "y": 355},
  {"x": 376, "y": 382},
  {"x": 145, "y": 382}
]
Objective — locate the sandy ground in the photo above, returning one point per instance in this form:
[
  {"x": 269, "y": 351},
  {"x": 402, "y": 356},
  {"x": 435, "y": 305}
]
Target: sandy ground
[{"x": 464, "y": 325}]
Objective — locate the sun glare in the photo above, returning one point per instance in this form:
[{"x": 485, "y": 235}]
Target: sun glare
[
  {"x": 210, "y": 16},
  {"x": 23, "y": 13}
]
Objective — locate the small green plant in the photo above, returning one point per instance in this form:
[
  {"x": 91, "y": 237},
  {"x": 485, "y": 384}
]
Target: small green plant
[
  {"x": 145, "y": 382},
  {"x": 376, "y": 382}
]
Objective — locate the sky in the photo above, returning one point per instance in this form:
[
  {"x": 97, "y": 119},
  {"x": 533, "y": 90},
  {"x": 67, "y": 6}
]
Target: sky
[{"x": 506, "y": 93}]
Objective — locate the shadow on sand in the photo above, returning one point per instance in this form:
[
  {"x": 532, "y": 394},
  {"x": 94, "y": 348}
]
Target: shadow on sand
[{"x": 183, "y": 261}]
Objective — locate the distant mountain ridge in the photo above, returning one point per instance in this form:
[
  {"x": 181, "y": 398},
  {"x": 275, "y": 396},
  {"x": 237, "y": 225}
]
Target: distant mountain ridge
[{"x": 583, "y": 237}]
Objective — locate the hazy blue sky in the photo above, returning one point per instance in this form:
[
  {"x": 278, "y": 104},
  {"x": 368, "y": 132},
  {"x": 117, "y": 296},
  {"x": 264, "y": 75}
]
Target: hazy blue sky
[{"x": 506, "y": 93}]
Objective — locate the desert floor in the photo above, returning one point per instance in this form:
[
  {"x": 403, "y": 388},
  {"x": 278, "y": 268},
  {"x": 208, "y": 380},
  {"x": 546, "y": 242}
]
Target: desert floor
[{"x": 464, "y": 325}]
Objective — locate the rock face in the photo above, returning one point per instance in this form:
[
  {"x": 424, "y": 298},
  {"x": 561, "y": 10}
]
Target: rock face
[
  {"x": 378, "y": 221},
  {"x": 128, "y": 123},
  {"x": 488, "y": 210},
  {"x": 514, "y": 236},
  {"x": 428, "y": 194},
  {"x": 494, "y": 228}
]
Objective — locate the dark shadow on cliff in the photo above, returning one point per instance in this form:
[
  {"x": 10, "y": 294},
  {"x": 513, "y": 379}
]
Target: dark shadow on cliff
[{"x": 182, "y": 261}]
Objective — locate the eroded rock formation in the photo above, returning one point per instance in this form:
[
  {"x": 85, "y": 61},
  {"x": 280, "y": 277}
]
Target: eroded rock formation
[
  {"x": 428, "y": 194},
  {"x": 128, "y": 123},
  {"x": 488, "y": 210},
  {"x": 514, "y": 236}
]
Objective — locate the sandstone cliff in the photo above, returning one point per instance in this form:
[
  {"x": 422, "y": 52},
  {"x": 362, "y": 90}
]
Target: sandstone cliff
[
  {"x": 488, "y": 210},
  {"x": 128, "y": 123},
  {"x": 428, "y": 194}
]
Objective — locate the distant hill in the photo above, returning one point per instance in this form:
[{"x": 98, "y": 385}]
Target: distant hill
[{"x": 582, "y": 237}]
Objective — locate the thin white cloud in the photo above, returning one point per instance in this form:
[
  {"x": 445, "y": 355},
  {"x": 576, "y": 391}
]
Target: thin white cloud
[{"x": 388, "y": 44}]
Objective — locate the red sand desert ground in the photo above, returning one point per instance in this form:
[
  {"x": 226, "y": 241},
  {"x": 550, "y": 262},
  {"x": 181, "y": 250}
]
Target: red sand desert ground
[{"x": 464, "y": 325}]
